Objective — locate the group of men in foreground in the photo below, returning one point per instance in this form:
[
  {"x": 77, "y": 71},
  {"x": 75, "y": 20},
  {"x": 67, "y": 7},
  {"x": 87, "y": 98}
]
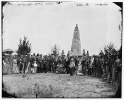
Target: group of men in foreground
[{"x": 106, "y": 67}]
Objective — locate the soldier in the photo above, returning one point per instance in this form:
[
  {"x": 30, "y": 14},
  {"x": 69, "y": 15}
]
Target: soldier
[
  {"x": 25, "y": 61},
  {"x": 83, "y": 66},
  {"x": 38, "y": 63},
  {"x": 28, "y": 69},
  {"x": 91, "y": 66},
  {"x": 51, "y": 63},
  {"x": 105, "y": 64},
  {"x": 72, "y": 65},
  {"x": 59, "y": 64},
  {"x": 97, "y": 67},
  {"x": 47, "y": 65},
  {"x": 109, "y": 68},
  {"x": 116, "y": 72},
  {"x": 94, "y": 67},
  {"x": 100, "y": 73},
  {"x": 21, "y": 64},
  {"x": 44, "y": 64},
  {"x": 67, "y": 65},
  {"x": 32, "y": 64},
  {"x": 18, "y": 62},
  {"x": 87, "y": 66}
]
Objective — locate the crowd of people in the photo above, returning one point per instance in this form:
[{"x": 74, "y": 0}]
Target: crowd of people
[{"x": 107, "y": 67}]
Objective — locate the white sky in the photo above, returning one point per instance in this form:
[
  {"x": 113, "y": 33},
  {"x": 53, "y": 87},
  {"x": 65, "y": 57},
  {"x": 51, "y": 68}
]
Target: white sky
[{"x": 46, "y": 25}]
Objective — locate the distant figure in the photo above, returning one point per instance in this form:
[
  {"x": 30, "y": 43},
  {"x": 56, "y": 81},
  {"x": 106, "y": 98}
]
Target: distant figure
[
  {"x": 83, "y": 63},
  {"x": 40, "y": 69},
  {"x": 44, "y": 65},
  {"x": 90, "y": 70},
  {"x": 67, "y": 65},
  {"x": 116, "y": 74},
  {"x": 35, "y": 67},
  {"x": 38, "y": 63},
  {"x": 15, "y": 67},
  {"x": 109, "y": 71},
  {"x": 72, "y": 65},
  {"x": 79, "y": 70},
  {"x": 25, "y": 61},
  {"x": 94, "y": 67},
  {"x": 20, "y": 64}
]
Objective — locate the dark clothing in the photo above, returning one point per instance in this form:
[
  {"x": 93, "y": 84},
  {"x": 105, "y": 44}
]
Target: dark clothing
[
  {"x": 71, "y": 71},
  {"x": 83, "y": 67},
  {"x": 44, "y": 67},
  {"x": 25, "y": 61},
  {"x": 67, "y": 66},
  {"x": 72, "y": 67},
  {"x": 90, "y": 71}
]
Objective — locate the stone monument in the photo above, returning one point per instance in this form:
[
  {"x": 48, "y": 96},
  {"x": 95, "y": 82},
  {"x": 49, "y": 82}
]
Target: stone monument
[{"x": 76, "y": 43}]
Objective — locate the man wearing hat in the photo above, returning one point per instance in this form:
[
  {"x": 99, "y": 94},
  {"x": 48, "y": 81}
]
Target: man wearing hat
[
  {"x": 72, "y": 65},
  {"x": 117, "y": 70}
]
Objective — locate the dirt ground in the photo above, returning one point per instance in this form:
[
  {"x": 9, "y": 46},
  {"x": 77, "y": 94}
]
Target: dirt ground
[{"x": 57, "y": 85}]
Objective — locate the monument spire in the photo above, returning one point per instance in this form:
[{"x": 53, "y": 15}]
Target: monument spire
[{"x": 76, "y": 44}]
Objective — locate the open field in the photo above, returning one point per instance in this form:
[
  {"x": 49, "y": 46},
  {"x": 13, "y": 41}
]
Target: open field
[{"x": 57, "y": 85}]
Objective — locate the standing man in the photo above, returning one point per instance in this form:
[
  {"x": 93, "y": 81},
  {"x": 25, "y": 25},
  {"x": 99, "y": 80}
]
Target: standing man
[
  {"x": 24, "y": 61},
  {"x": 109, "y": 70},
  {"x": 116, "y": 73},
  {"x": 67, "y": 65},
  {"x": 38, "y": 63},
  {"x": 94, "y": 67},
  {"x": 72, "y": 65},
  {"x": 83, "y": 66}
]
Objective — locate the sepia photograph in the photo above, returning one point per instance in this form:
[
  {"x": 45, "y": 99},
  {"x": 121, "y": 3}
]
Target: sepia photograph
[{"x": 61, "y": 49}]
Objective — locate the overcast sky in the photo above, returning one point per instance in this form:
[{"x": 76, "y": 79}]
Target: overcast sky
[{"x": 46, "y": 25}]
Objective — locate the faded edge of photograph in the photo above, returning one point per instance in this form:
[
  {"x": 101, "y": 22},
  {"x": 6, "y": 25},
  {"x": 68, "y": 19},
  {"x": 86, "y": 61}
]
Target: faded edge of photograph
[{"x": 61, "y": 49}]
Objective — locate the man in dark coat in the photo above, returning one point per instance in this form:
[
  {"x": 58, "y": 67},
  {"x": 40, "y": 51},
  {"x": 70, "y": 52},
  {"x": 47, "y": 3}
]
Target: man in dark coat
[
  {"x": 72, "y": 66},
  {"x": 83, "y": 66},
  {"x": 24, "y": 61},
  {"x": 38, "y": 63},
  {"x": 67, "y": 65}
]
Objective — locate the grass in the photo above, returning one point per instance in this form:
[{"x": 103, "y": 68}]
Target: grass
[
  {"x": 38, "y": 91},
  {"x": 54, "y": 86}
]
